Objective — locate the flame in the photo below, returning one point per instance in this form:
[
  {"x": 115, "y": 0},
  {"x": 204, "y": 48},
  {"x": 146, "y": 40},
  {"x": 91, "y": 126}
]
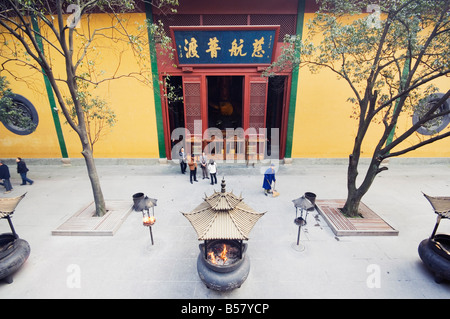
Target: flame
[
  {"x": 223, "y": 254},
  {"x": 149, "y": 220},
  {"x": 212, "y": 257}
]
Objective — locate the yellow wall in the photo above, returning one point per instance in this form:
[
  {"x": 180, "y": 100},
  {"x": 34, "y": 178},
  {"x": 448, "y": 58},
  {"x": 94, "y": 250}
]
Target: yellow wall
[
  {"x": 323, "y": 127},
  {"x": 43, "y": 142},
  {"x": 133, "y": 136}
]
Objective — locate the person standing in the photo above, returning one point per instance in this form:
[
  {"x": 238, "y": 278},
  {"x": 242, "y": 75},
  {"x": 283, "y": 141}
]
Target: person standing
[
  {"x": 4, "y": 174},
  {"x": 269, "y": 177},
  {"x": 22, "y": 169},
  {"x": 193, "y": 169},
  {"x": 204, "y": 165},
  {"x": 212, "y": 167},
  {"x": 182, "y": 160}
]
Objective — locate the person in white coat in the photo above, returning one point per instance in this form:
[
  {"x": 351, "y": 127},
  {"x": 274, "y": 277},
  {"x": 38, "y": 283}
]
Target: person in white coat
[{"x": 212, "y": 167}]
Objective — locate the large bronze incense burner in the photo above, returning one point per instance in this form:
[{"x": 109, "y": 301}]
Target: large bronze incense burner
[
  {"x": 223, "y": 221},
  {"x": 435, "y": 251}
]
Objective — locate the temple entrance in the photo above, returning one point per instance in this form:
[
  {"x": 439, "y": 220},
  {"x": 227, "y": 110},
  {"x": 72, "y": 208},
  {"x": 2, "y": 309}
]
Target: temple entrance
[
  {"x": 225, "y": 99},
  {"x": 225, "y": 104},
  {"x": 238, "y": 113}
]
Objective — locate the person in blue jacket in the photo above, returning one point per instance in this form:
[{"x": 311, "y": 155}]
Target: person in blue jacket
[
  {"x": 269, "y": 177},
  {"x": 4, "y": 174}
]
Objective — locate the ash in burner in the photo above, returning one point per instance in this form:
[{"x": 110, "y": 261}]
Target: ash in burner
[{"x": 222, "y": 254}]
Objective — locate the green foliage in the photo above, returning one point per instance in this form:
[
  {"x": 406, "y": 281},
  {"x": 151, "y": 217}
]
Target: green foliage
[
  {"x": 395, "y": 51},
  {"x": 5, "y": 95},
  {"x": 50, "y": 31},
  {"x": 389, "y": 54},
  {"x": 98, "y": 116},
  {"x": 8, "y": 110}
]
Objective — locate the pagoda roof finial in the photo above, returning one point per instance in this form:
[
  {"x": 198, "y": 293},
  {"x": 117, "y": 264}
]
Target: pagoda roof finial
[{"x": 223, "y": 185}]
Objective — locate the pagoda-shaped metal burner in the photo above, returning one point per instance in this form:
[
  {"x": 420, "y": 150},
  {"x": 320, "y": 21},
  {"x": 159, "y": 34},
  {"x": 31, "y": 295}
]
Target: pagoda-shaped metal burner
[{"x": 223, "y": 221}]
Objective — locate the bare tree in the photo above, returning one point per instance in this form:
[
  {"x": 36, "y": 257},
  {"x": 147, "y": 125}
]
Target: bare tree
[
  {"x": 26, "y": 26},
  {"x": 98, "y": 115},
  {"x": 390, "y": 59}
]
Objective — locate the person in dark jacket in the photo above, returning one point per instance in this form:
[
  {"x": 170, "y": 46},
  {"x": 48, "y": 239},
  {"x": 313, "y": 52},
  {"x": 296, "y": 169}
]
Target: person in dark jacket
[
  {"x": 4, "y": 174},
  {"x": 183, "y": 164},
  {"x": 22, "y": 169}
]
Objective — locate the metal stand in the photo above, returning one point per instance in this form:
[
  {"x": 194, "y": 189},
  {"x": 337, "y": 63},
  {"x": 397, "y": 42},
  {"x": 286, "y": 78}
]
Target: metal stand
[
  {"x": 151, "y": 234},
  {"x": 12, "y": 227},
  {"x": 303, "y": 203},
  {"x": 146, "y": 214},
  {"x": 438, "y": 220},
  {"x": 298, "y": 236},
  {"x": 299, "y": 221},
  {"x": 144, "y": 203}
]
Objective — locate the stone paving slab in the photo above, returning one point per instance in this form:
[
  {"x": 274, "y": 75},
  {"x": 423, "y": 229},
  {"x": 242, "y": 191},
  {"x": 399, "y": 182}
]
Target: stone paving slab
[{"x": 127, "y": 265}]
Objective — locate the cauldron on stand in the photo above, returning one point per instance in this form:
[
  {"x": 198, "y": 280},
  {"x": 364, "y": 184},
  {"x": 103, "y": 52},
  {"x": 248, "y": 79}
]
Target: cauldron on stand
[
  {"x": 223, "y": 221},
  {"x": 14, "y": 251},
  {"x": 435, "y": 251}
]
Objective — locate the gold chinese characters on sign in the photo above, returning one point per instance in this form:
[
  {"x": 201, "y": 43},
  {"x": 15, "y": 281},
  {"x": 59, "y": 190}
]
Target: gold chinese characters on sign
[{"x": 191, "y": 46}]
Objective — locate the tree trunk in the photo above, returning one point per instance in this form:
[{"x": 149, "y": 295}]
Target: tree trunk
[
  {"x": 351, "y": 207},
  {"x": 353, "y": 199},
  {"x": 355, "y": 194},
  {"x": 100, "y": 207}
]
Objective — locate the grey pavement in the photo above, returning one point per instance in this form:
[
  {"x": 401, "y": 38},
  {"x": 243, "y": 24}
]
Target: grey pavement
[{"x": 126, "y": 265}]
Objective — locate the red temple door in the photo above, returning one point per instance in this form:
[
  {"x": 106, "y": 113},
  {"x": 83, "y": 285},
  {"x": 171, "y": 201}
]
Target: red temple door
[
  {"x": 192, "y": 95},
  {"x": 255, "y": 119}
]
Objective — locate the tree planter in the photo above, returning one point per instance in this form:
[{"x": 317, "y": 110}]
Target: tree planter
[
  {"x": 85, "y": 223},
  {"x": 13, "y": 254},
  {"x": 369, "y": 224}
]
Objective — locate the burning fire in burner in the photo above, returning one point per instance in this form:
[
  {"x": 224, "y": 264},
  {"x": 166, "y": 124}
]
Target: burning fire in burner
[
  {"x": 222, "y": 256},
  {"x": 149, "y": 220},
  {"x": 212, "y": 258}
]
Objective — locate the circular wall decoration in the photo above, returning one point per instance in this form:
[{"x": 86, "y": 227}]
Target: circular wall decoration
[
  {"x": 26, "y": 120},
  {"x": 436, "y": 125}
]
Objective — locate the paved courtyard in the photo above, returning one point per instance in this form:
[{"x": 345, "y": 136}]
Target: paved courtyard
[{"x": 127, "y": 265}]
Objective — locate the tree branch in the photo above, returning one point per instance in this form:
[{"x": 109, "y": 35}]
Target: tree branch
[
  {"x": 414, "y": 147},
  {"x": 427, "y": 117}
]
